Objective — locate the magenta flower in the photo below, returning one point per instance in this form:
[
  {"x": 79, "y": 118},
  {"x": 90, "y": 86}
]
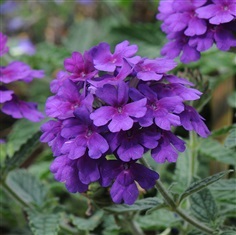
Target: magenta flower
[
  {"x": 194, "y": 26},
  {"x": 65, "y": 170},
  {"x": 81, "y": 68},
  {"x": 17, "y": 71},
  {"x": 67, "y": 100},
  {"x": 106, "y": 61},
  {"x": 117, "y": 105},
  {"x": 21, "y": 109},
  {"x": 219, "y": 12},
  {"x": 119, "y": 114},
  {"x": 82, "y": 135},
  {"x": 124, "y": 188}
]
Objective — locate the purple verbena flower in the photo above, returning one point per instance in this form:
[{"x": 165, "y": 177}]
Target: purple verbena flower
[
  {"x": 220, "y": 11},
  {"x": 116, "y": 106},
  {"x": 17, "y": 71},
  {"x": 65, "y": 170},
  {"x": 21, "y": 109},
  {"x": 119, "y": 113},
  {"x": 106, "y": 61},
  {"x": 80, "y": 66},
  {"x": 193, "y": 26},
  {"x": 82, "y": 135},
  {"x": 126, "y": 175}
]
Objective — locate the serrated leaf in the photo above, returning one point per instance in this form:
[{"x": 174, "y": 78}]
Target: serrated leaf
[
  {"x": 213, "y": 149},
  {"x": 21, "y": 155},
  {"x": 22, "y": 131},
  {"x": 140, "y": 205},
  {"x": 224, "y": 191},
  {"x": 229, "y": 232},
  {"x": 27, "y": 187},
  {"x": 43, "y": 224},
  {"x": 203, "y": 206},
  {"x": 222, "y": 131},
  {"x": 159, "y": 219},
  {"x": 182, "y": 175},
  {"x": 90, "y": 223},
  {"x": 230, "y": 141},
  {"x": 201, "y": 184}
]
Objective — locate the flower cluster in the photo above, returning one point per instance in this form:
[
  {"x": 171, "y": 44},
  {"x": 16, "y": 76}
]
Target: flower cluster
[
  {"x": 16, "y": 71},
  {"x": 193, "y": 26},
  {"x": 109, "y": 109}
]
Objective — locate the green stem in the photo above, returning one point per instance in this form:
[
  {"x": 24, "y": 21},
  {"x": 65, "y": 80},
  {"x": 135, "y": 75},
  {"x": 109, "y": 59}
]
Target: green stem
[
  {"x": 169, "y": 200},
  {"x": 23, "y": 204},
  {"x": 134, "y": 227},
  {"x": 11, "y": 193},
  {"x": 193, "y": 158}
]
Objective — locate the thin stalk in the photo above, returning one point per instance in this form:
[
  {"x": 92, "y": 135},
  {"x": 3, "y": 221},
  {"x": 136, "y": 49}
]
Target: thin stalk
[
  {"x": 193, "y": 158},
  {"x": 169, "y": 200},
  {"x": 130, "y": 224},
  {"x": 23, "y": 204},
  {"x": 134, "y": 228}
]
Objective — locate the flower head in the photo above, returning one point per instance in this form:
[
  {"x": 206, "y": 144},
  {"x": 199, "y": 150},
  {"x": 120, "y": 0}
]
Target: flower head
[
  {"x": 21, "y": 72},
  {"x": 118, "y": 105},
  {"x": 194, "y": 26}
]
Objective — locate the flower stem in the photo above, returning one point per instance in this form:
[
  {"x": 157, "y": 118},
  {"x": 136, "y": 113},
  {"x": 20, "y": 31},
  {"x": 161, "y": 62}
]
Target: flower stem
[
  {"x": 169, "y": 200},
  {"x": 23, "y": 204},
  {"x": 134, "y": 227}
]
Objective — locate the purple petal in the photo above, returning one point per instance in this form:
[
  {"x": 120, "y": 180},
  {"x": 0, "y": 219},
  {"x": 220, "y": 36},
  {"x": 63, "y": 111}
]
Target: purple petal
[
  {"x": 97, "y": 145},
  {"x": 120, "y": 122},
  {"x": 136, "y": 109},
  {"x": 144, "y": 176},
  {"x": 102, "y": 115},
  {"x": 5, "y": 95},
  {"x": 88, "y": 170}
]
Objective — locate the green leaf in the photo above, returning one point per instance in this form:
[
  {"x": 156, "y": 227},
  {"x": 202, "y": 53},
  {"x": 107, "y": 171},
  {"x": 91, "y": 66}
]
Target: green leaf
[
  {"x": 22, "y": 131},
  {"x": 203, "y": 206},
  {"x": 224, "y": 191},
  {"x": 213, "y": 149},
  {"x": 159, "y": 219},
  {"x": 21, "y": 155},
  {"x": 27, "y": 187},
  {"x": 140, "y": 205},
  {"x": 43, "y": 224},
  {"x": 90, "y": 223},
  {"x": 230, "y": 141},
  {"x": 232, "y": 100},
  {"x": 201, "y": 184},
  {"x": 183, "y": 175},
  {"x": 222, "y": 131}
]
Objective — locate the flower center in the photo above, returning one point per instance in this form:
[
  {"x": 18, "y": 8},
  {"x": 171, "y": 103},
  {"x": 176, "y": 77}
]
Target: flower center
[
  {"x": 226, "y": 8},
  {"x": 119, "y": 109},
  {"x": 89, "y": 133},
  {"x": 126, "y": 166}
]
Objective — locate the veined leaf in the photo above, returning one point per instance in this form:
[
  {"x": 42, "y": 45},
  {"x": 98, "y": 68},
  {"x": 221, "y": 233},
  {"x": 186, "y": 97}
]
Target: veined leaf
[
  {"x": 43, "y": 224},
  {"x": 22, "y": 131},
  {"x": 213, "y": 149},
  {"x": 21, "y": 155},
  {"x": 230, "y": 141},
  {"x": 159, "y": 219},
  {"x": 183, "y": 173},
  {"x": 140, "y": 205},
  {"x": 222, "y": 131},
  {"x": 201, "y": 184},
  {"x": 27, "y": 187},
  {"x": 224, "y": 191},
  {"x": 203, "y": 206},
  {"x": 90, "y": 223}
]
